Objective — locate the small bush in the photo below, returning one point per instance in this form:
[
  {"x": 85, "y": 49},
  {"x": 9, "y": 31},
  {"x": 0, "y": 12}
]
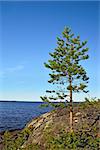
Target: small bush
[
  {"x": 71, "y": 141},
  {"x": 12, "y": 143}
]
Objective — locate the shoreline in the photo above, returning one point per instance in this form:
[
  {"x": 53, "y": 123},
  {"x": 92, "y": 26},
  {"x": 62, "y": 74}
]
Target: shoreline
[{"x": 11, "y": 130}]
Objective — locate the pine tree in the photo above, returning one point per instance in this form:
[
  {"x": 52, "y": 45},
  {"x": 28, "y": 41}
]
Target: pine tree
[{"x": 66, "y": 69}]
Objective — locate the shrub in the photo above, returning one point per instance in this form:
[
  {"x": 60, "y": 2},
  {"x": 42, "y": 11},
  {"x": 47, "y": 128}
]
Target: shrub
[{"x": 71, "y": 141}]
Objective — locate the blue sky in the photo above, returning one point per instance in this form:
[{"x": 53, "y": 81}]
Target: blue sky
[{"x": 28, "y": 33}]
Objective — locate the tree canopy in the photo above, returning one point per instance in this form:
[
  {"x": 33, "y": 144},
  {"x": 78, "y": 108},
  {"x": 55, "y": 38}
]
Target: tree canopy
[{"x": 65, "y": 66}]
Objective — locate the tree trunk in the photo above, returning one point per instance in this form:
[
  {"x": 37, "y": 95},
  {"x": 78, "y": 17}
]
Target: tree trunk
[{"x": 71, "y": 108}]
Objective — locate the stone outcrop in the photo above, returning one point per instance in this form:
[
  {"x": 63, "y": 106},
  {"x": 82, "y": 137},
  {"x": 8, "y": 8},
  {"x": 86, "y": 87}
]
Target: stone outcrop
[{"x": 83, "y": 119}]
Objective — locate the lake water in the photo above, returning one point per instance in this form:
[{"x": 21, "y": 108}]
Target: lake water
[{"x": 15, "y": 115}]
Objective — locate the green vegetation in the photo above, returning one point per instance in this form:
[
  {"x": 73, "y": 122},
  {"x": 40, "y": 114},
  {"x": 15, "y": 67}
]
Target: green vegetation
[
  {"x": 90, "y": 102},
  {"x": 63, "y": 141},
  {"x": 56, "y": 137},
  {"x": 66, "y": 69},
  {"x": 14, "y": 142},
  {"x": 71, "y": 141}
]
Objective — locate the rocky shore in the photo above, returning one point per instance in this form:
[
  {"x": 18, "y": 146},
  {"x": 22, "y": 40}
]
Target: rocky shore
[{"x": 39, "y": 130}]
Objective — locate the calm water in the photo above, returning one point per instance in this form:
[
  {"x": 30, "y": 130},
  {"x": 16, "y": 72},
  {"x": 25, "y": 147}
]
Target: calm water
[{"x": 15, "y": 115}]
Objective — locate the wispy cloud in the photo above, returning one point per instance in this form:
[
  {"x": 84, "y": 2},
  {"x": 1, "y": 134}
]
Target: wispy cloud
[
  {"x": 11, "y": 70},
  {"x": 1, "y": 74},
  {"x": 14, "y": 69}
]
